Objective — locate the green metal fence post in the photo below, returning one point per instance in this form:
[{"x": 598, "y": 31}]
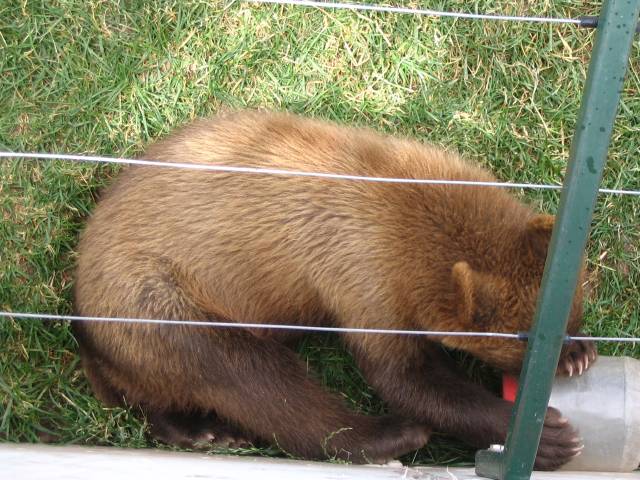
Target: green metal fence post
[{"x": 602, "y": 90}]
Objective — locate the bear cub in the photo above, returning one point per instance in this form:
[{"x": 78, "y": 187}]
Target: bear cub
[{"x": 167, "y": 243}]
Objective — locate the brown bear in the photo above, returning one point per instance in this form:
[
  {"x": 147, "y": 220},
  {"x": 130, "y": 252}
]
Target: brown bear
[{"x": 167, "y": 243}]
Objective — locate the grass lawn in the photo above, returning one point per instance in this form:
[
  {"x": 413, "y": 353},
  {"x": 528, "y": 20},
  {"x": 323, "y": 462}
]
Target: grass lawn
[{"x": 107, "y": 77}]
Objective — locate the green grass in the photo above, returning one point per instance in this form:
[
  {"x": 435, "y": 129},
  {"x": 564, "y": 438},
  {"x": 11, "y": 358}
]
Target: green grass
[{"x": 108, "y": 77}]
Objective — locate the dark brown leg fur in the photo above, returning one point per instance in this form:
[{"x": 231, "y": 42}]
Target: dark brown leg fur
[
  {"x": 195, "y": 430},
  {"x": 264, "y": 388},
  {"x": 424, "y": 384},
  {"x": 191, "y": 430}
]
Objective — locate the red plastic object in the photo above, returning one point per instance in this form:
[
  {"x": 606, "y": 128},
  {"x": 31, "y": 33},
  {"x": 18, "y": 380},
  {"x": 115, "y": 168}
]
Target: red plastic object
[{"x": 509, "y": 387}]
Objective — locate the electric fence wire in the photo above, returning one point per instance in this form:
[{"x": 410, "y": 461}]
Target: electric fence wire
[
  {"x": 584, "y": 21},
  {"x": 523, "y": 336},
  {"x": 269, "y": 171},
  {"x": 294, "y": 173}
]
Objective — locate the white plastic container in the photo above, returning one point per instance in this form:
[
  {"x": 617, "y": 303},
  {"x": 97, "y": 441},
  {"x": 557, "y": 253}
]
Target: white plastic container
[{"x": 604, "y": 405}]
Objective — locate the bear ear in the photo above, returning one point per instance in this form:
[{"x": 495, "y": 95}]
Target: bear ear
[
  {"x": 462, "y": 275},
  {"x": 475, "y": 297},
  {"x": 537, "y": 235}
]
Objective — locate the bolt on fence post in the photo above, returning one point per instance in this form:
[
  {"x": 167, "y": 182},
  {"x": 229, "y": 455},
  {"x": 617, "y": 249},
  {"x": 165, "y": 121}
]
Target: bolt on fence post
[{"x": 603, "y": 86}]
